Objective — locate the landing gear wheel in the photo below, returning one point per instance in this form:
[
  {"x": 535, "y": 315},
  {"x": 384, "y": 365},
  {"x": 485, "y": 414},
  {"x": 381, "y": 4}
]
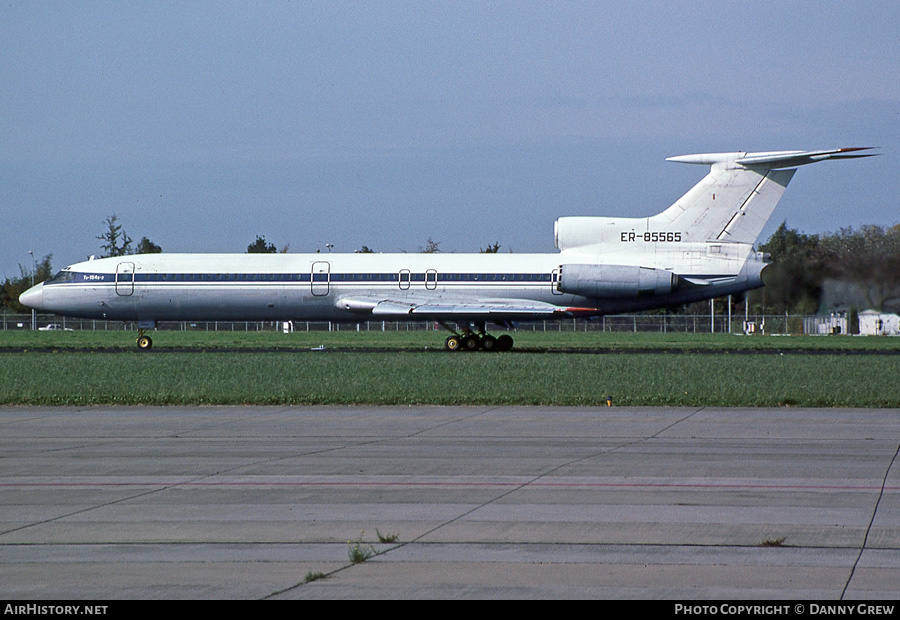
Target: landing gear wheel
[
  {"x": 144, "y": 342},
  {"x": 489, "y": 343},
  {"x": 504, "y": 342},
  {"x": 452, "y": 343},
  {"x": 470, "y": 343}
]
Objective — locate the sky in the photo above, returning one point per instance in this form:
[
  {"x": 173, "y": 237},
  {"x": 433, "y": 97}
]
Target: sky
[{"x": 203, "y": 124}]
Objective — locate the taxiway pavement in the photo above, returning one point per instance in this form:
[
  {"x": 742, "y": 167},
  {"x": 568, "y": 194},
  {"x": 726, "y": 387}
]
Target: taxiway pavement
[{"x": 485, "y": 502}]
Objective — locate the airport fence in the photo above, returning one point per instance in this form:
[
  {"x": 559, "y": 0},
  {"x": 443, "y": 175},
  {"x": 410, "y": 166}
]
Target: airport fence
[{"x": 662, "y": 323}]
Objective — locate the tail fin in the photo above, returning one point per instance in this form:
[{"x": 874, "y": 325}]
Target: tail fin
[{"x": 735, "y": 200}]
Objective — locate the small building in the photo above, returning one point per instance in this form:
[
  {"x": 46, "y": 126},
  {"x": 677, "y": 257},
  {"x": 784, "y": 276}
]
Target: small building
[{"x": 874, "y": 323}]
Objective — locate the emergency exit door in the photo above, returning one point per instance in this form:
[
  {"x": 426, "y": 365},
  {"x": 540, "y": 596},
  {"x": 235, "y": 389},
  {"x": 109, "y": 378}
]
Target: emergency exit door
[
  {"x": 125, "y": 279},
  {"x": 320, "y": 279}
]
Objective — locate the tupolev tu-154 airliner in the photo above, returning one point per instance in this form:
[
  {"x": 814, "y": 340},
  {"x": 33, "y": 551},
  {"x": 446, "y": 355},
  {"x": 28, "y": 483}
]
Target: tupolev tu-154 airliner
[{"x": 699, "y": 248}]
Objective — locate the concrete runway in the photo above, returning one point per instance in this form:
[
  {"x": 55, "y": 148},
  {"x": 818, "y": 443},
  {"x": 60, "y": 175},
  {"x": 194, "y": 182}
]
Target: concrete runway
[{"x": 486, "y": 502}]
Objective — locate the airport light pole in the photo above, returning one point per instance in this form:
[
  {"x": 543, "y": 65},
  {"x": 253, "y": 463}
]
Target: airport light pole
[{"x": 33, "y": 267}]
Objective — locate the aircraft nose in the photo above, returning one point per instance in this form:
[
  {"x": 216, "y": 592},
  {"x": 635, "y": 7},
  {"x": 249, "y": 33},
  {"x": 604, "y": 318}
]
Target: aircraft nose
[{"x": 33, "y": 297}]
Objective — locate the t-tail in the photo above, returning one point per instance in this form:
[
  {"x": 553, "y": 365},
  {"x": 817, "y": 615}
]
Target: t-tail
[
  {"x": 699, "y": 248},
  {"x": 735, "y": 200},
  {"x": 731, "y": 204}
]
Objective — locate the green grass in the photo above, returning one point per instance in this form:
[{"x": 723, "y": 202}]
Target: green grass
[
  {"x": 399, "y": 378},
  {"x": 421, "y": 340},
  {"x": 409, "y": 367}
]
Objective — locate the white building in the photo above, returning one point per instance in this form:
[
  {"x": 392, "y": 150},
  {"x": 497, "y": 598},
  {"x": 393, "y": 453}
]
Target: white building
[{"x": 874, "y": 323}]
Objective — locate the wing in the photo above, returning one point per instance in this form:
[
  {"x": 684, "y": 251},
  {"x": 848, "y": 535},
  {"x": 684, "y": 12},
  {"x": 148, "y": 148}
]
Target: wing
[{"x": 458, "y": 308}]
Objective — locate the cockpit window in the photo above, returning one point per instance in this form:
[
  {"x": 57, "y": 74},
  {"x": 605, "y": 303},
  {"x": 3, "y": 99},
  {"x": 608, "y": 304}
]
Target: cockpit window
[{"x": 62, "y": 276}]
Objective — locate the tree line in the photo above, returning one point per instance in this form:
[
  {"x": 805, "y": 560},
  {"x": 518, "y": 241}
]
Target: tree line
[{"x": 852, "y": 269}]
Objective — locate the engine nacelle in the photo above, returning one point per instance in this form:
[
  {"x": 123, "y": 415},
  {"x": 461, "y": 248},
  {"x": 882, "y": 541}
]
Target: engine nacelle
[
  {"x": 578, "y": 232},
  {"x": 615, "y": 280}
]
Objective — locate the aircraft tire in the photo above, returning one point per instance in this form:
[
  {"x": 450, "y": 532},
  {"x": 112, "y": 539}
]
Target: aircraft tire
[
  {"x": 471, "y": 343},
  {"x": 489, "y": 343},
  {"x": 452, "y": 343},
  {"x": 504, "y": 342},
  {"x": 144, "y": 342}
]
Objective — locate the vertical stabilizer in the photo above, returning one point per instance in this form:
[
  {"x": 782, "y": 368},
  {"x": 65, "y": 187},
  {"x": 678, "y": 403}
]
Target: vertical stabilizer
[
  {"x": 748, "y": 220},
  {"x": 735, "y": 200}
]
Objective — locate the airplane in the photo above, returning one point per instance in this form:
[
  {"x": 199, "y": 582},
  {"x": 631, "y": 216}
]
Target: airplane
[{"x": 699, "y": 248}]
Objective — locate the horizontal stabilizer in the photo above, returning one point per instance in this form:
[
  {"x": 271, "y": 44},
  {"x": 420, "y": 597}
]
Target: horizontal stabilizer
[{"x": 773, "y": 159}]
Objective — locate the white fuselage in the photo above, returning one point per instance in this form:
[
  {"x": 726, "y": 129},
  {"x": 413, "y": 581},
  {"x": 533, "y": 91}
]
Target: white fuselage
[{"x": 168, "y": 287}]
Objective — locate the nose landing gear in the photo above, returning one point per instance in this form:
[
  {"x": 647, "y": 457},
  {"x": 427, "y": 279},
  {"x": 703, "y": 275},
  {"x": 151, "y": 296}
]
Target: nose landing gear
[{"x": 143, "y": 342}]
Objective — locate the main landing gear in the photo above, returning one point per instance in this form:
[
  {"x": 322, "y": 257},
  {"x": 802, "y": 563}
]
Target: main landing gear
[{"x": 470, "y": 340}]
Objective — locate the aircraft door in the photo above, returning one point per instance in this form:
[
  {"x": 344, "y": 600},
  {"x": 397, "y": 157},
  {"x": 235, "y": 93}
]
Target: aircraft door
[
  {"x": 125, "y": 279},
  {"x": 320, "y": 278},
  {"x": 431, "y": 279},
  {"x": 404, "y": 280},
  {"x": 554, "y": 281}
]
